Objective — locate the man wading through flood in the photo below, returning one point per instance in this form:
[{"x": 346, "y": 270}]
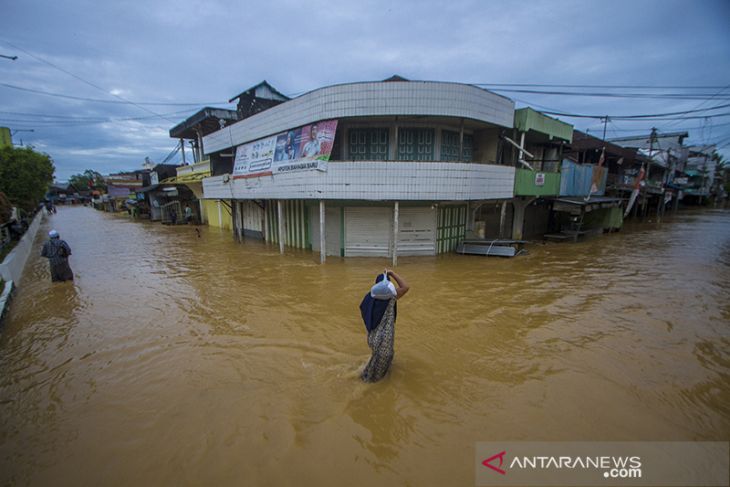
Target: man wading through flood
[
  {"x": 379, "y": 311},
  {"x": 57, "y": 252}
]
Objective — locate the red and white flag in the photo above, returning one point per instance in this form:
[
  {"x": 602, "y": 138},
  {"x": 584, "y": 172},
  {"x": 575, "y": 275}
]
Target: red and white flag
[
  {"x": 635, "y": 192},
  {"x": 597, "y": 174}
]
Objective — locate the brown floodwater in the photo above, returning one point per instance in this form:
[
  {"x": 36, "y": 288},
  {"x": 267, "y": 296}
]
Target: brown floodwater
[{"x": 174, "y": 359}]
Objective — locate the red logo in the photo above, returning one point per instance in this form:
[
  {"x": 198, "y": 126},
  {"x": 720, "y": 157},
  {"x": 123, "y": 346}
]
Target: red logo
[{"x": 487, "y": 462}]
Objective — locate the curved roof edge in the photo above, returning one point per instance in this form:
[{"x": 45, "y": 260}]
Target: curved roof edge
[{"x": 369, "y": 99}]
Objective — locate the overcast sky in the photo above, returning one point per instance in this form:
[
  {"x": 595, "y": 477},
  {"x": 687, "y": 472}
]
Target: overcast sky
[{"x": 200, "y": 53}]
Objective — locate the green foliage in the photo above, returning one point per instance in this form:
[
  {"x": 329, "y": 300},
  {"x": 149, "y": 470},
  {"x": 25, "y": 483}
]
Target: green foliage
[
  {"x": 6, "y": 209},
  {"x": 25, "y": 176},
  {"x": 89, "y": 179}
]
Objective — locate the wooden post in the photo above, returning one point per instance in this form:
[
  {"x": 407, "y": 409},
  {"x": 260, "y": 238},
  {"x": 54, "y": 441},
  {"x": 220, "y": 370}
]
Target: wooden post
[
  {"x": 201, "y": 149},
  {"x": 502, "y": 219},
  {"x": 280, "y": 214},
  {"x": 522, "y": 147},
  {"x": 322, "y": 239},
  {"x": 518, "y": 218},
  {"x": 395, "y": 234},
  {"x": 239, "y": 219},
  {"x": 182, "y": 149}
]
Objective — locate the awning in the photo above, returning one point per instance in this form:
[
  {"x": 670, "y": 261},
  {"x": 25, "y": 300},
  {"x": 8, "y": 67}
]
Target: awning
[
  {"x": 147, "y": 188},
  {"x": 579, "y": 203}
]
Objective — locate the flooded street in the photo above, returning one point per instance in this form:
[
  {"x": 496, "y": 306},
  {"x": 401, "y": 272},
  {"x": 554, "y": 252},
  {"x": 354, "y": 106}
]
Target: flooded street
[{"x": 175, "y": 359}]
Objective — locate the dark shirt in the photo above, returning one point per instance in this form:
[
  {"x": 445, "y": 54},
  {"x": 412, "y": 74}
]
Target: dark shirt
[{"x": 56, "y": 250}]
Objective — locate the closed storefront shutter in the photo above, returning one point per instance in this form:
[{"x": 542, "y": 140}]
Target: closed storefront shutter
[
  {"x": 416, "y": 231},
  {"x": 253, "y": 217},
  {"x": 368, "y": 231}
]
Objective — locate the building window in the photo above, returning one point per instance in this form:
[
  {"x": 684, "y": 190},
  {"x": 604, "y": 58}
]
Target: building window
[
  {"x": 450, "y": 146},
  {"x": 368, "y": 144},
  {"x": 467, "y": 152},
  {"x": 415, "y": 144}
]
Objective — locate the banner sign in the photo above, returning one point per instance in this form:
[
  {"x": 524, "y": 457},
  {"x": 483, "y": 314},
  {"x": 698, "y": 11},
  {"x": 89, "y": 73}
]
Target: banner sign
[{"x": 302, "y": 149}]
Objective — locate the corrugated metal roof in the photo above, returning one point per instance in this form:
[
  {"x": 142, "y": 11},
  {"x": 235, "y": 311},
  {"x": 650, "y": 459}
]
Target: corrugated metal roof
[
  {"x": 207, "y": 118},
  {"x": 256, "y": 89}
]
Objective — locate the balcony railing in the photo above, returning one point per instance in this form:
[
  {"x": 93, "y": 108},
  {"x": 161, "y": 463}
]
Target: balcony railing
[
  {"x": 536, "y": 183},
  {"x": 201, "y": 166},
  {"x": 374, "y": 180}
]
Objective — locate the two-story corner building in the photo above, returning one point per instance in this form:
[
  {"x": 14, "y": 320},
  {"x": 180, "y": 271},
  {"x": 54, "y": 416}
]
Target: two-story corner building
[{"x": 365, "y": 169}]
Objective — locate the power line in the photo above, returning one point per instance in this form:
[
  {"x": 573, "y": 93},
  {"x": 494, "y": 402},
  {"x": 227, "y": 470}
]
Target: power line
[
  {"x": 662, "y": 128},
  {"x": 707, "y": 101},
  {"x": 667, "y": 96},
  {"x": 68, "y": 118},
  {"x": 633, "y": 87},
  {"x": 643, "y": 116},
  {"x": 86, "y": 81},
  {"x": 117, "y": 102}
]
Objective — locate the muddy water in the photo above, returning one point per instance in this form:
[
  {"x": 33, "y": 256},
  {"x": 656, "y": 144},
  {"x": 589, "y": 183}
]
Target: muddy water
[{"x": 175, "y": 359}]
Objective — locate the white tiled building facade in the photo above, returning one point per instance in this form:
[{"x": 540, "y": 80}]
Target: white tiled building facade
[{"x": 409, "y": 157}]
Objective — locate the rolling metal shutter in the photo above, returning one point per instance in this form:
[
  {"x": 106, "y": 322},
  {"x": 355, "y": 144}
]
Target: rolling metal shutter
[
  {"x": 368, "y": 231},
  {"x": 416, "y": 231},
  {"x": 253, "y": 217}
]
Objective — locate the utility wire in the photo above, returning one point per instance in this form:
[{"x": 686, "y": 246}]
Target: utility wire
[
  {"x": 85, "y": 119},
  {"x": 670, "y": 96},
  {"x": 707, "y": 101},
  {"x": 87, "y": 82},
  {"x": 637, "y": 87},
  {"x": 661, "y": 128},
  {"x": 117, "y": 102},
  {"x": 630, "y": 117},
  {"x": 171, "y": 154}
]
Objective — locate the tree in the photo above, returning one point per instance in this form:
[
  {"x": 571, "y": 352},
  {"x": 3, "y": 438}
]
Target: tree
[
  {"x": 89, "y": 179},
  {"x": 6, "y": 208},
  {"x": 25, "y": 176}
]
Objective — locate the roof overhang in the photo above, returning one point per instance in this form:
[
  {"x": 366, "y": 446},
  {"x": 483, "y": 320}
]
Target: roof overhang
[
  {"x": 207, "y": 120},
  {"x": 567, "y": 204},
  {"x": 527, "y": 119}
]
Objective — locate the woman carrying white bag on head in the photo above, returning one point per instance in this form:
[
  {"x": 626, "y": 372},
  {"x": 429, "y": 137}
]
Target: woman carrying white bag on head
[{"x": 379, "y": 311}]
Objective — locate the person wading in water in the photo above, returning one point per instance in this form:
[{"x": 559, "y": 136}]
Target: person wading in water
[
  {"x": 379, "y": 311},
  {"x": 57, "y": 252}
]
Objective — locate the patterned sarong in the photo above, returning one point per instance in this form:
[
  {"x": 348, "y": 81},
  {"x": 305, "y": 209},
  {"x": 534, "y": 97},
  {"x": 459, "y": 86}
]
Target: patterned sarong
[{"x": 380, "y": 341}]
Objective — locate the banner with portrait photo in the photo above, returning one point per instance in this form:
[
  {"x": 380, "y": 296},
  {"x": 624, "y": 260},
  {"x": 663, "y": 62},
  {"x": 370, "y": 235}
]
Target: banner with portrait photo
[{"x": 301, "y": 149}]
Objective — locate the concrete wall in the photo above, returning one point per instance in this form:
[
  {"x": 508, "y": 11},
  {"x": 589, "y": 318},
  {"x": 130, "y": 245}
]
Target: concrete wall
[
  {"x": 12, "y": 267},
  {"x": 217, "y": 214}
]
